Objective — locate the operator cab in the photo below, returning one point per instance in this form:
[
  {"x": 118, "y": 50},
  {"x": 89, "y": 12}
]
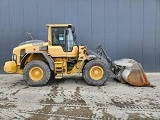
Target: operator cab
[
  {"x": 62, "y": 40},
  {"x": 64, "y": 36}
]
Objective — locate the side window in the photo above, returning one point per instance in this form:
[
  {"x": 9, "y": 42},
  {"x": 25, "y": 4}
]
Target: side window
[{"x": 58, "y": 37}]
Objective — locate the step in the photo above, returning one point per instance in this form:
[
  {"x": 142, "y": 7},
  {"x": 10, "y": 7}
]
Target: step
[
  {"x": 58, "y": 77},
  {"x": 58, "y": 64},
  {"x": 58, "y": 70}
]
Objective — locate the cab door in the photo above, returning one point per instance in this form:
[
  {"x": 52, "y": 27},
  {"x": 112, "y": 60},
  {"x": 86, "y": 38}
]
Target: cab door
[{"x": 58, "y": 46}]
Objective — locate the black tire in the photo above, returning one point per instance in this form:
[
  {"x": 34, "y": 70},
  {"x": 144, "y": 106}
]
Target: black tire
[
  {"x": 102, "y": 69},
  {"x": 29, "y": 73}
]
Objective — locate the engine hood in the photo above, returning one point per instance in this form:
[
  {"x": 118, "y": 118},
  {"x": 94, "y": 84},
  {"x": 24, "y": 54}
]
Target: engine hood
[
  {"x": 29, "y": 46},
  {"x": 33, "y": 42}
]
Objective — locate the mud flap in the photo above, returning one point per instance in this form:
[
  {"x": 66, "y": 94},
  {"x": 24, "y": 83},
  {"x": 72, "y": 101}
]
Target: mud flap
[{"x": 133, "y": 73}]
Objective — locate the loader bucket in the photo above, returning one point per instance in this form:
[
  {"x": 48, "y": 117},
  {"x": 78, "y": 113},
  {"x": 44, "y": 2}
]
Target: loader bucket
[{"x": 133, "y": 72}]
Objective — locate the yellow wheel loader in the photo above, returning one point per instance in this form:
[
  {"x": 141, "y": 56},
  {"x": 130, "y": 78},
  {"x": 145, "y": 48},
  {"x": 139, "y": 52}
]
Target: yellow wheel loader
[{"x": 39, "y": 61}]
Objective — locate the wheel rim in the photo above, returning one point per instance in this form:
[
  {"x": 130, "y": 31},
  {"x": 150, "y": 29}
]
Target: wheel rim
[
  {"x": 36, "y": 73},
  {"x": 96, "y": 72}
]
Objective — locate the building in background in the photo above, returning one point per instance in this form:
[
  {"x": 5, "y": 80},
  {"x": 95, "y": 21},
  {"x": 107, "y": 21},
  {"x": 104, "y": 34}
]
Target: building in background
[{"x": 125, "y": 28}]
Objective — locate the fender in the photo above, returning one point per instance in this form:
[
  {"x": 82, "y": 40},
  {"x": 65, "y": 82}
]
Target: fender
[
  {"x": 48, "y": 58},
  {"x": 80, "y": 66},
  {"x": 92, "y": 55}
]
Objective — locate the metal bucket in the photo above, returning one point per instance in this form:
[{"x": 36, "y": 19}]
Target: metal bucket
[{"x": 133, "y": 72}]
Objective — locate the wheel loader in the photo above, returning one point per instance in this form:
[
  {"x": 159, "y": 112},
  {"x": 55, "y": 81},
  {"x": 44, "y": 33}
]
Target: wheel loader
[{"x": 40, "y": 61}]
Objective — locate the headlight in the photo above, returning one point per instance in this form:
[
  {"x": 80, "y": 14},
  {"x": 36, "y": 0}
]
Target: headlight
[{"x": 14, "y": 57}]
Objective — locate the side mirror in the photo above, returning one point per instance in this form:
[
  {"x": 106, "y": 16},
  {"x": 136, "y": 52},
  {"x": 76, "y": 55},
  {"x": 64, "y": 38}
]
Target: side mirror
[{"x": 72, "y": 28}]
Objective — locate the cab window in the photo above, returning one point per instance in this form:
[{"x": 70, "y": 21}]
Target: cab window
[
  {"x": 58, "y": 37},
  {"x": 63, "y": 37}
]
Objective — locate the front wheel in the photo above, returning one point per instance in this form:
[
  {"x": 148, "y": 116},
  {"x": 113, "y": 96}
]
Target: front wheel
[
  {"x": 95, "y": 72},
  {"x": 36, "y": 73}
]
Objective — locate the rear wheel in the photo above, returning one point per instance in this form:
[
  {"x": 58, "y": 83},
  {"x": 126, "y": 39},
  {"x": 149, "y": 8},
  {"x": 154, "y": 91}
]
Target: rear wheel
[
  {"x": 95, "y": 72},
  {"x": 36, "y": 73}
]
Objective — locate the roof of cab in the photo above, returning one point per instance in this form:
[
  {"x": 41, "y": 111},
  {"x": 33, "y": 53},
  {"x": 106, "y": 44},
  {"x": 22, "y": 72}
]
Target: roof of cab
[{"x": 57, "y": 25}]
